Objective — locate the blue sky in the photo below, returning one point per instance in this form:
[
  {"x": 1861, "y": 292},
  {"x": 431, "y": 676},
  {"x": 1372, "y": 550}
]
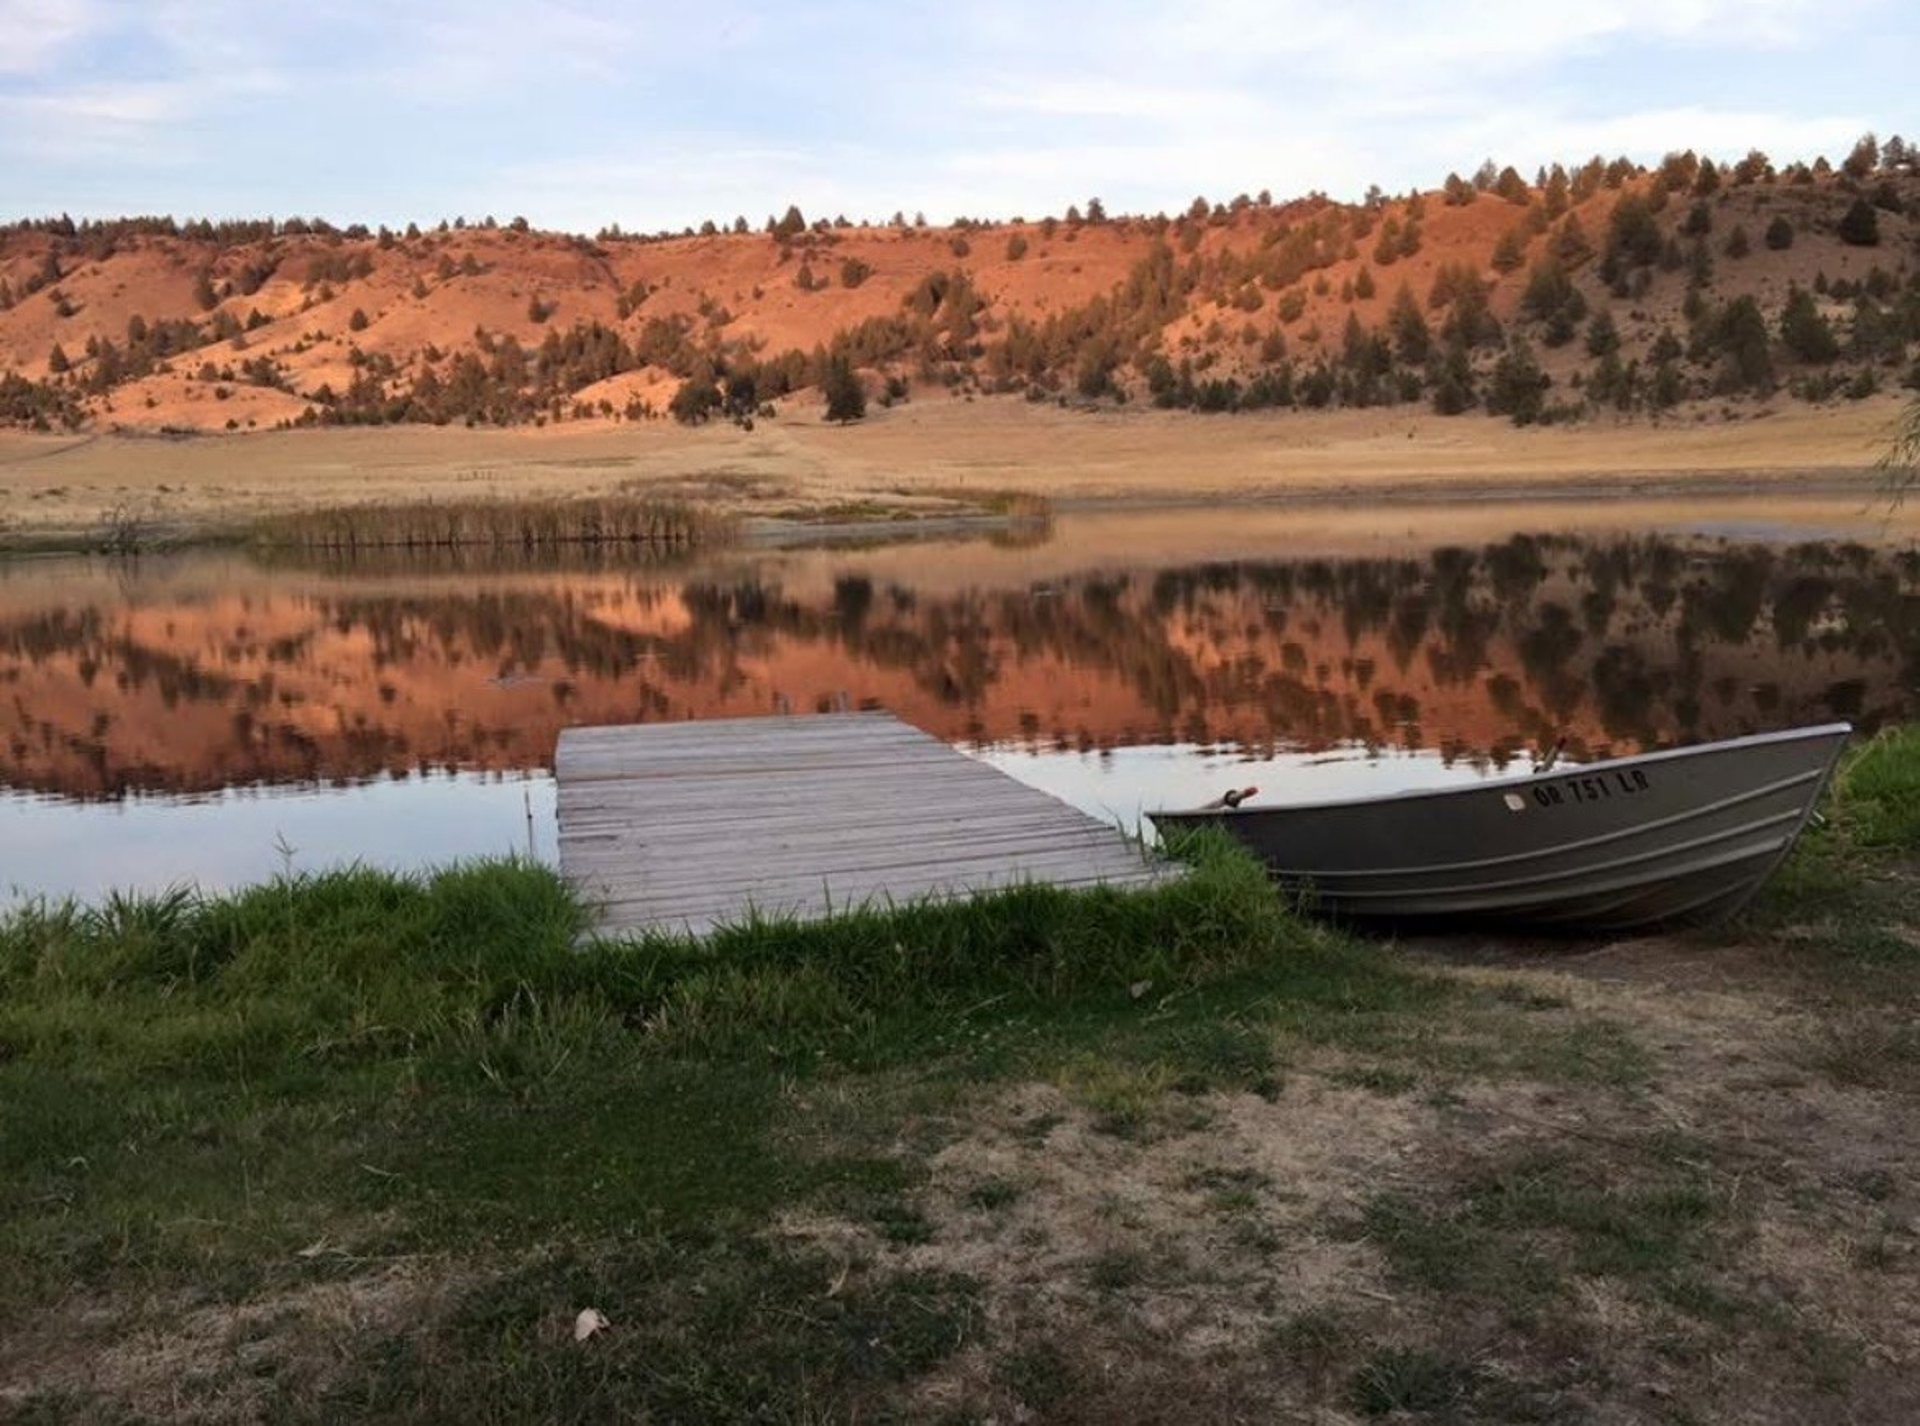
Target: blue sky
[{"x": 652, "y": 115}]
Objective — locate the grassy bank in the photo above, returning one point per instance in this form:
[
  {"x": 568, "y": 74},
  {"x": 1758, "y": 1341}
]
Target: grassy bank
[{"x": 358, "y": 1146}]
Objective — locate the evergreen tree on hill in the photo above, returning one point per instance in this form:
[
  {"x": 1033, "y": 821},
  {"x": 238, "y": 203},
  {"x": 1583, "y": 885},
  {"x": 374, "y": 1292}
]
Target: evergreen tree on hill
[
  {"x": 1861, "y": 225},
  {"x": 846, "y": 397},
  {"x": 1864, "y": 159},
  {"x": 1412, "y": 341},
  {"x": 1803, "y": 331}
]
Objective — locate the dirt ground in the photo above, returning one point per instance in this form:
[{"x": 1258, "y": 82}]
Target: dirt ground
[
  {"x": 64, "y": 487},
  {"x": 1719, "y": 1228}
]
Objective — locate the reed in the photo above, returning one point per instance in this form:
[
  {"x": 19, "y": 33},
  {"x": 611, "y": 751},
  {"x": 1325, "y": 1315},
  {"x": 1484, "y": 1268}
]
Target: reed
[
  {"x": 416, "y": 560},
  {"x": 524, "y": 525}
]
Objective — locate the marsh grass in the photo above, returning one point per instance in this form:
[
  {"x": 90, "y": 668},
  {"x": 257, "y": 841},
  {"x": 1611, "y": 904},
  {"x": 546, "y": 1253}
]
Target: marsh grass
[
  {"x": 1012, "y": 504},
  {"x": 498, "y": 525}
]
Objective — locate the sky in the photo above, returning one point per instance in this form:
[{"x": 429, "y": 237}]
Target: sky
[{"x": 654, "y": 116}]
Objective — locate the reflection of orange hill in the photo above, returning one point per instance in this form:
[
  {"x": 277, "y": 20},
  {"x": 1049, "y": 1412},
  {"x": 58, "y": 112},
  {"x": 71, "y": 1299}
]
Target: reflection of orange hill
[{"x": 216, "y": 673}]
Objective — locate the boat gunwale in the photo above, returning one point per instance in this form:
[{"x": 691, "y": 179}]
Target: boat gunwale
[{"x": 1837, "y": 730}]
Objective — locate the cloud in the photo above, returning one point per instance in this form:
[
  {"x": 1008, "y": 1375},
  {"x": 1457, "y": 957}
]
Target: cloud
[
  {"x": 35, "y": 33},
  {"x": 1648, "y": 133},
  {"x": 579, "y": 112},
  {"x": 1086, "y": 98},
  {"x": 94, "y": 123}
]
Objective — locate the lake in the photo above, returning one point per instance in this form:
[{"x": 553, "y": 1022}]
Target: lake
[{"x": 209, "y": 718}]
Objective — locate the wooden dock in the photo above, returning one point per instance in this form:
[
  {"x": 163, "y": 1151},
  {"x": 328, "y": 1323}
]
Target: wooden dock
[{"x": 685, "y": 826}]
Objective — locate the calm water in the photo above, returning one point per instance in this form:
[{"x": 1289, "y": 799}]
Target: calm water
[{"x": 208, "y": 719}]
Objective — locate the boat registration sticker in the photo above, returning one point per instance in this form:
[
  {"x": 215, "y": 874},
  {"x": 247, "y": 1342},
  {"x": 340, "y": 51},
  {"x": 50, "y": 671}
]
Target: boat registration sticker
[{"x": 1594, "y": 787}]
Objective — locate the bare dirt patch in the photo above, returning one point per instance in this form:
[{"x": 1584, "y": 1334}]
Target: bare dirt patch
[{"x": 171, "y": 1359}]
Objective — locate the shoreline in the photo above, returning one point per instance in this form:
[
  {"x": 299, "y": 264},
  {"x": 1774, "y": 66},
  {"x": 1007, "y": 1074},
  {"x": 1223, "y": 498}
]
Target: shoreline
[
  {"x": 907, "y": 522},
  {"x": 927, "y": 460}
]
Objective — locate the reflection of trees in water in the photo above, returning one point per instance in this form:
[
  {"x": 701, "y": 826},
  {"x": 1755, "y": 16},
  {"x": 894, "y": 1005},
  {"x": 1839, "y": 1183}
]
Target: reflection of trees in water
[{"x": 1478, "y": 651}]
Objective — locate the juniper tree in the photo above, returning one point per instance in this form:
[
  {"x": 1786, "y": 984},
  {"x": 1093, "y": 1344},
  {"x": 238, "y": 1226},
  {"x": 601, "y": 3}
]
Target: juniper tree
[
  {"x": 1511, "y": 251},
  {"x": 1864, "y": 158},
  {"x": 846, "y": 397},
  {"x": 1861, "y": 225},
  {"x": 1603, "y": 337},
  {"x": 1412, "y": 341}
]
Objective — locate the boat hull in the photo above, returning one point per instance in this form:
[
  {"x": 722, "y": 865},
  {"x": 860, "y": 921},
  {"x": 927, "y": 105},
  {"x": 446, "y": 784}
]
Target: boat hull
[{"x": 1677, "y": 837}]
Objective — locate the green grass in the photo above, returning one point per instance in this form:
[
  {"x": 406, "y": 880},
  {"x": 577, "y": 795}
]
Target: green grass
[
  {"x": 1879, "y": 792},
  {"x": 1844, "y": 906},
  {"x": 233, "y": 1096}
]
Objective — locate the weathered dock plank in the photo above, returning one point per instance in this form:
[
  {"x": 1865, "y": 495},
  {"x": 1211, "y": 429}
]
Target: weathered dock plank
[{"x": 685, "y": 826}]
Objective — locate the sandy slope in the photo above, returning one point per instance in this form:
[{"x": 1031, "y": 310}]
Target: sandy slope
[{"x": 67, "y": 486}]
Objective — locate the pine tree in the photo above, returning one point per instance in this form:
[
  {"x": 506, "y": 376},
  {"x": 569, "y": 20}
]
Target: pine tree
[
  {"x": 846, "y": 397},
  {"x": 1740, "y": 333},
  {"x": 1518, "y": 386},
  {"x": 1453, "y": 381},
  {"x": 1864, "y": 159},
  {"x": 1557, "y": 195},
  {"x": 1803, "y": 331},
  {"x": 1512, "y": 187},
  {"x": 1779, "y": 234},
  {"x": 1412, "y": 340},
  {"x": 1603, "y": 337},
  {"x": 1511, "y": 251}
]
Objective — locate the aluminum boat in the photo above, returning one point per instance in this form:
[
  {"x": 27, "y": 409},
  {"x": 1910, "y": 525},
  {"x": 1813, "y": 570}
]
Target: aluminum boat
[{"x": 1685, "y": 835}]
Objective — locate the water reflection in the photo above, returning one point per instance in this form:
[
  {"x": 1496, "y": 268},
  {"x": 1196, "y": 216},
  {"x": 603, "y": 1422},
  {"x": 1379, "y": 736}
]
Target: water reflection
[
  {"x": 211, "y": 672},
  {"x": 55, "y": 847}
]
